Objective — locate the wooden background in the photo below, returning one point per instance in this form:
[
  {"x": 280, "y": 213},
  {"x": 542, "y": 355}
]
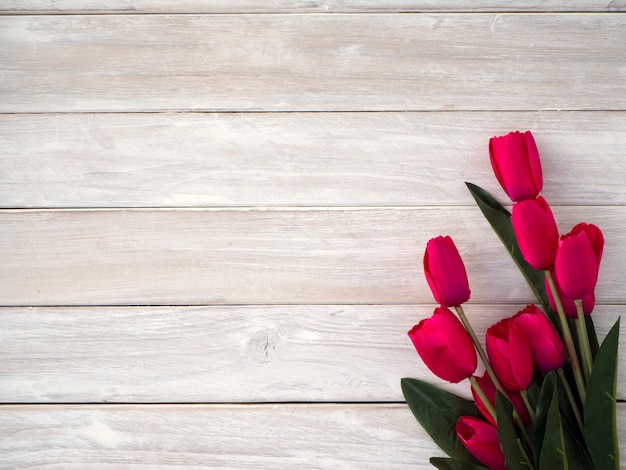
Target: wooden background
[{"x": 214, "y": 214}]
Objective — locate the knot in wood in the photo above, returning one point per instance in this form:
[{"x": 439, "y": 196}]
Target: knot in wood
[{"x": 263, "y": 346}]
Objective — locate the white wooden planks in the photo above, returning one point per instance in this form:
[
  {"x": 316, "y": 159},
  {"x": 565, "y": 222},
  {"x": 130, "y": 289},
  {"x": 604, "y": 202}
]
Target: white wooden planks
[
  {"x": 326, "y": 353},
  {"x": 312, "y": 62},
  {"x": 293, "y": 256},
  {"x": 306, "y": 159}
]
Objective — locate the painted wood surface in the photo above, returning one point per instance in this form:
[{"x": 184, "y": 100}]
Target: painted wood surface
[
  {"x": 312, "y": 62},
  {"x": 306, "y": 159}
]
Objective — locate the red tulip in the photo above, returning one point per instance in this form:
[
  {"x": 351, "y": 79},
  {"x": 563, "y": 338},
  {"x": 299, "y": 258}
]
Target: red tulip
[
  {"x": 481, "y": 440},
  {"x": 445, "y": 346},
  {"x": 589, "y": 301},
  {"x": 445, "y": 272},
  {"x": 546, "y": 346},
  {"x": 515, "y": 161},
  {"x": 536, "y": 232},
  {"x": 510, "y": 355},
  {"x": 578, "y": 260},
  {"x": 489, "y": 388}
]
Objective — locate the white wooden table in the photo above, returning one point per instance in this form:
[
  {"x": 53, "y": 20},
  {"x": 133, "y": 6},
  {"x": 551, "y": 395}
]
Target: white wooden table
[{"x": 213, "y": 214}]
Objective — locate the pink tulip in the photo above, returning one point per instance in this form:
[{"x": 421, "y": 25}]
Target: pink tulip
[
  {"x": 481, "y": 440},
  {"x": 489, "y": 388},
  {"x": 516, "y": 164},
  {"x": 548, "y": 352},
  {"x": 578, "y": 260},
  {"x": 589, "y": 301},
  {"x": 510, "y": 355},
  {"x": 445, "y": 272},
  {"x": 536, "y": 232},
  {"x": 445, "y": 346}
]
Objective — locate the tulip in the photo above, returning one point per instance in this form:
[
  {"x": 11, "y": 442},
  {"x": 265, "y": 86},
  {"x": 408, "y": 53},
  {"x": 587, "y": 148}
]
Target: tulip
[
  {"x": 515, "y": 161},
  {"x": 510, "y": 355},
  {"x": 569, "y": 306},
  {"x": 546, "y": 347},
  {"x": 489, "y": 388},
  {"x": 445, "y": 346},
  {"x": 578, "y": 260},
  {"x": 481, "y": 440},
  {"x": 536, "y": 232},
  {"x": 445, "y": 272}
]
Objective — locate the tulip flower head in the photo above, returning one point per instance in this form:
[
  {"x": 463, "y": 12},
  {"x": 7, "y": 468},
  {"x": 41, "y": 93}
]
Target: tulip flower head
[
  {"x": 481, "y": 440},
  {"x": 445, "y": 272},
  {"x": 536, "y": 232},
  {"x": 510, "y": 355},
  {"x": 516, "y": 164},
  {"x": 445, "y": 346},
  {"x": 589, "y": 301},
  {"x": 578, "y": 260},
  {"x": 489, "y": 388},
  {"x": 547, "y": 350}
]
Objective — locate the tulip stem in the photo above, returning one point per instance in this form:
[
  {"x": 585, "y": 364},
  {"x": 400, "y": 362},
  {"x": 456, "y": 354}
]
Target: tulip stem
[
  {"x": 483, "y": 397},
  {"x": 583, "y": 339},
  {"x": 567, "y": 335},
  {"x": 570, "y": 397},
  {"x": 531, "y": 411}
]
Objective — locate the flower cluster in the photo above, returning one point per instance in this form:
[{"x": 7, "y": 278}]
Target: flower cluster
[{"x": 524, "y": 349}]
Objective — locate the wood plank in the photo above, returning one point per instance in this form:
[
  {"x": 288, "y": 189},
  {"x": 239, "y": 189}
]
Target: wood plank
[
  {"x": 318, "y": 159},
  {"x": 292, "y": 256},
  {"x": 312, "y": 62},
  {"x": 298, "y": 6},
  {"x": 235, "y": 437},
  {"x": 227, "y": 354}
]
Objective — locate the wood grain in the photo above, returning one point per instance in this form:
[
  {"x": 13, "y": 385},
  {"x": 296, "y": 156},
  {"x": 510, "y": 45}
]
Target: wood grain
[
  {"x": 312, "y": 62},
  {"x": 293, "y": 256},
  {"x": 306, "y": 159},
  {"x": 299, "y": 6},
  {"x": 327, "y": 353}
]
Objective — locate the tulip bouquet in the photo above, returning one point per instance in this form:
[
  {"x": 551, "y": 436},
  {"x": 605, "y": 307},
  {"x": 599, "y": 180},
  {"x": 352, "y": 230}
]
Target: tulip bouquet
[{"x": 547, "y": 398}]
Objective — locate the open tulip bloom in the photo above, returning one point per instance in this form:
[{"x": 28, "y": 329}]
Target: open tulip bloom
[{"x": 547, "y": 398}]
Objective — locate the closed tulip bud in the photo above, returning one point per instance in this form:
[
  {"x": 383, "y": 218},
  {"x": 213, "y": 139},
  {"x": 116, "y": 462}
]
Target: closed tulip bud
[
  {"x": 578, "y": 260},
  {"x": 489, "y": 388},
  {"x": 445, "y": 272},
  {"x": 481, "y": 440},
  {"x": 546, "y": 347},
  {"x": 510, "y": 355},
  {"x": 536, "y": 232},
  {"x": 516, "y": 164},
  {"x": 445, "y": 346},
  {"x": 589, "y": 301}
]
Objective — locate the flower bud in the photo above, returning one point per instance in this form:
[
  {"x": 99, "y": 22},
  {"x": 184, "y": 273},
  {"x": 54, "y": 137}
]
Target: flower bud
[
  {"x": 589, "y": 301},
  {"x": 516, "y": 164},
  {"x": 510, "y": 356},
  {"x": 445, "y": 272},
  {"x": 536, "y": 232},
  {"x": 445, "y": 346},
  {"x": 578, "y": 260},
  {"x": 481, "y": 440},
  {"x": 548, "y": 352}
]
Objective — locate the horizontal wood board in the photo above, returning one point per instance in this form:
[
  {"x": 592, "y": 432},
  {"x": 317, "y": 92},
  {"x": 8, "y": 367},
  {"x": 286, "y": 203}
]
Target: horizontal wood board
[
  {"x": 341, "y": 62},
  {"x": 306, "y": 159}
]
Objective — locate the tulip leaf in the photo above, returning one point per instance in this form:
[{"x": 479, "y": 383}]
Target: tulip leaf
[
  {"x": 438, "y": 412},
  {"x": 593, "y": 337},
  {"x": 509, "y": 441},
  {"x": 600, "y": 405},
  {"x": 500, "y": 220},
  {"x": 454, "y": 464},
  {"x": 549, "y": 440}
]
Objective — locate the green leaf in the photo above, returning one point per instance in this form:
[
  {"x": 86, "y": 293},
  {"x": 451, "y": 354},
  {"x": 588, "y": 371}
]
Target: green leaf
[
  {"x": 509, "y": 440},
  {"x": 552, "y": 455},
  {"x": 500, "y": 220},
  {"x": 438, "y": 411},
  {"x": 600, "y": 405},
  {"x": 454, "y": 464},
  {"x": 593, "y": 337}
]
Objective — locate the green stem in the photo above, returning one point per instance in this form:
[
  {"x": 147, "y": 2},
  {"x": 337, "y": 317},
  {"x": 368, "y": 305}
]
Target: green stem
[
  {"x": 531, "y": 411},
  {"x": 567, "y": 336},
  {"x": 583, "y": 339},
  {"x": 483, "y": 397},
  {"x": 570, "y": 397}
]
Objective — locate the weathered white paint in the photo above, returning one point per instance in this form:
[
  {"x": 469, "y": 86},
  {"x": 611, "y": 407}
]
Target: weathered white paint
[
  {"x": 327, "y": 353},
  {"x": 310, "y": 159},
  {"x": 312, "y": 62}
]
